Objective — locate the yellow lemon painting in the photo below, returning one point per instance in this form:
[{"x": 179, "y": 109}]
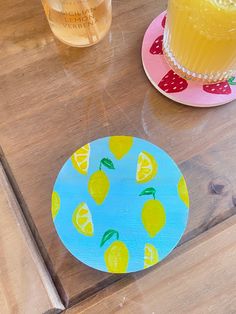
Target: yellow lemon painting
[
  {"x": 82, "y": 220},
  {"x": 55, "y": 204},
  {"x": 120, "y": 204},
  {"x": 116, "y": 255},
  {"x": 150, "y": 255},
  {"x": 146, "y": 167},
  {"x": 120, "y": 145},
  {"x": 99, "y": 183},
  {"x": 183, "y": 191},
  {"x": 80, "y": 159},
  {"x": 153, "y": 214}
]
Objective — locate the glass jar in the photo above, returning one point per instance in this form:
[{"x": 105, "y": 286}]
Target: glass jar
[{"x": 79, "y": 23}]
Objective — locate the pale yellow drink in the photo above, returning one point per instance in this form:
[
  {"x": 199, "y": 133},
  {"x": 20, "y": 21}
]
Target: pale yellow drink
[
  {"x": 79, "y": 23},
  {"x": 200, "y": 38}
]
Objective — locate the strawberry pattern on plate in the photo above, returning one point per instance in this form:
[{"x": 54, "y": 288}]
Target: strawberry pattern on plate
[
  {"x": 173, "y": 83},
  {"x": 222, "y": 88},
  {"x": 157, "y": 46}
]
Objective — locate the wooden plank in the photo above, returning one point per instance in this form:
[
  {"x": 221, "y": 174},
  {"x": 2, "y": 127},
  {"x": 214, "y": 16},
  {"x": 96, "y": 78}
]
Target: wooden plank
[
  {"x": 200, "y": 277},
  {"x": 25, "y": 285},
  {"x": 212, "y": 186},
  {"x": 55, "y": 98}
]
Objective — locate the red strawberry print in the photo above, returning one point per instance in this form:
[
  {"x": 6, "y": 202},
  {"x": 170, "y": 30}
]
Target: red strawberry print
[
  {"x": 163, "y": 23},
  {"x": 222, "y": 88},
  {"x": 156, "y": 48},
  {"x": 219, "y": 88},
  {"x": 173, "y": 83}
]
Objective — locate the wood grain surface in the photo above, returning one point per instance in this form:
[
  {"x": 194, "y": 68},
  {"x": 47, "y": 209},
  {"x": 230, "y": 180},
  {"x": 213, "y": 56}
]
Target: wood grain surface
[
  {"x": 198, "y": 278},
  {"x": 55, "y": 98},
  {"x": 25, "y": 285}
]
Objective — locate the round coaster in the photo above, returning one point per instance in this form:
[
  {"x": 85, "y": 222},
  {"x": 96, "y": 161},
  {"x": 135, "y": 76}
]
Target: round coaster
[
  {"x": 166, "y": 81},
  {"x": 120, "y": 204}
]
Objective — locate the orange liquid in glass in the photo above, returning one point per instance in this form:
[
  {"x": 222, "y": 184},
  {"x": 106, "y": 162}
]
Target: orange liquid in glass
[{"x": 200, "y": 38}]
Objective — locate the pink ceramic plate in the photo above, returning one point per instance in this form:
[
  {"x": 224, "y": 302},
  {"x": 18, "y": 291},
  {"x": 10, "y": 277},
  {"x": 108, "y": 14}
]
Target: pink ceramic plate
[{"x": 166, "y": 81}]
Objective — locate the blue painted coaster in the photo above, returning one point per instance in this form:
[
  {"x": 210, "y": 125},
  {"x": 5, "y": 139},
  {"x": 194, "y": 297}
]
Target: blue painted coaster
[{"x": 120, "y": 204}]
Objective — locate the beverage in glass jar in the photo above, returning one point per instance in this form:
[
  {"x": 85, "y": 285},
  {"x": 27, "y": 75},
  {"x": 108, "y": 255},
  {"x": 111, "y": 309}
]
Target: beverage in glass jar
[{"x": 79, "y": 23}]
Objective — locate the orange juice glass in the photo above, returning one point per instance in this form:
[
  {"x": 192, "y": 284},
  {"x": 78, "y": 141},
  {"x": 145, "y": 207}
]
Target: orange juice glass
[{"x": 200, "y": 38}]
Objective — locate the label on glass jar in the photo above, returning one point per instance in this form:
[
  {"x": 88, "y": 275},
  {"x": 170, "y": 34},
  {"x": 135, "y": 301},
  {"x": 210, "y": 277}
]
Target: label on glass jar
[
  {"x": 81, "y": 19},
  {"x": 72, "y": 15}
]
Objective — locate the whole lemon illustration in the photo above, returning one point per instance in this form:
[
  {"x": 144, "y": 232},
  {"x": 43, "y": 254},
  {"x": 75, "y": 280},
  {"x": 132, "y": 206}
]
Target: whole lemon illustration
[
  {"x": 80, "y": 159},
  {"x": 55, "y": 205},
  {"x": 117, "y": 255},
  {"x": 150, "y": 255},
  {"x": 153, "y": 214},
  {"x": 146, "y": 167},
  {"x": 183, "y": 191},
  {"x": 120, "y": 145},
  {"x": 99, "y": 184},
  {"x": 82, "y": 220}
]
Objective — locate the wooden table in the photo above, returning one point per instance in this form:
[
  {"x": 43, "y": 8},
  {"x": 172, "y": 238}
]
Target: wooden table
[{"x": 54, "y": 99}]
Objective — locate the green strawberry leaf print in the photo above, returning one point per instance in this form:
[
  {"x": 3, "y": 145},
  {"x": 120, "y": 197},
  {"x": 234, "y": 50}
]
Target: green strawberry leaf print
[{"x": 231, "y": 81}]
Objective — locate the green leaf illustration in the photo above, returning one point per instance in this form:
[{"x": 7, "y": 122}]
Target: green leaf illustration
[
  {"x": 108, "y": 235},
  {"x": 231, "y": 81},
  {"x": 148, "y": 191},
  {"x": 107, "y": 163}
]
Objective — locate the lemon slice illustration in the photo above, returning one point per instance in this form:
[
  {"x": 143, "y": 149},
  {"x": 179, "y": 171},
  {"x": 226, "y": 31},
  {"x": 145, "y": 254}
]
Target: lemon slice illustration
[
  {"x": 80, "y": 159},
  {"x": 117, "y": 255},
  {"x": 150, "y": 255},
  {"x": 153, "y": 214},
  {"x": 120, "y": 145},
  {"x": 146, "y": 167},
  {"x": 99, "y": 183},
  {"x": 55, "y": 206},
  {"x": 183, "y": 191},
  {"x": 82, "y": 220}
]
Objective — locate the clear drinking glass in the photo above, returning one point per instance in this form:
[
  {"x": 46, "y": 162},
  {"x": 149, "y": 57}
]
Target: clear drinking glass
[
  {"x": 200, "y": 38},
  {"x": 79, "y": 23}
]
